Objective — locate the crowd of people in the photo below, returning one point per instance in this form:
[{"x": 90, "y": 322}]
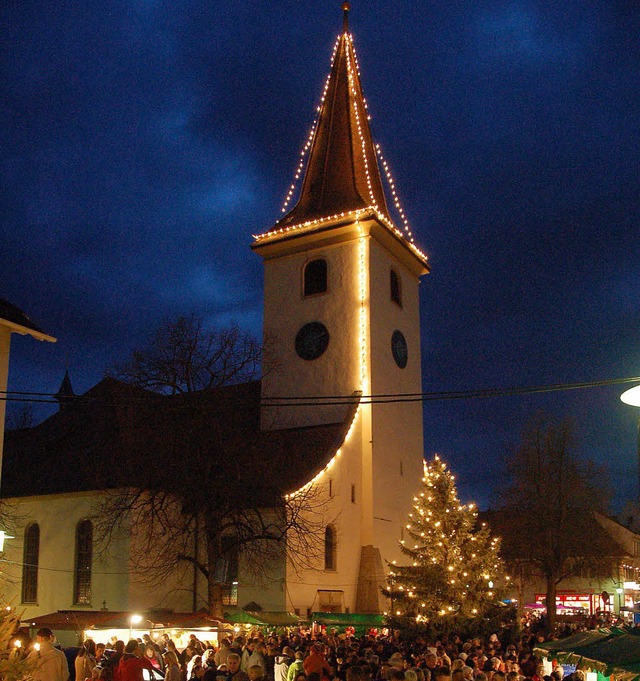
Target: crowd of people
[{"x": 306, "y": 657}]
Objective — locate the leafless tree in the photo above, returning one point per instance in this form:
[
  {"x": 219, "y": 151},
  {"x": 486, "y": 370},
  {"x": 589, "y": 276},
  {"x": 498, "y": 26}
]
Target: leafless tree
[
  {"x": 547, "y": 511},
  {"x": 190, "y": 495},
  {"x": 185, "y": 356}
]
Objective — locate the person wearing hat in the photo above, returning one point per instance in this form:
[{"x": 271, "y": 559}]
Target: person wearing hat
[
  {"x": 316, "y": 662},
  {"x": 50, "y": 664}
]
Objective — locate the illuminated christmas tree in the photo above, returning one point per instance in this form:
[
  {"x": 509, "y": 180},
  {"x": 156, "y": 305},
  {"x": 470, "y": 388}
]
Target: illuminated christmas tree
[{"x": 454, "y": 568}]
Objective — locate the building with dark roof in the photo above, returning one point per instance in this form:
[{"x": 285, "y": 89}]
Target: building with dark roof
[
  {"x": 13, "y": 321},
  {"x": 342, "y": 331}
]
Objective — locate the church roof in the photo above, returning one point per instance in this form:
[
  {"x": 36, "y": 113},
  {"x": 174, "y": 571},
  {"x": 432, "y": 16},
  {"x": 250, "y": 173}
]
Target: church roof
[
  {"x": 18, "y": 322},
  {"x": 342, "y": 180},
  {"x": 111, "y": 436},
  {"x": 342, "y": 172}
]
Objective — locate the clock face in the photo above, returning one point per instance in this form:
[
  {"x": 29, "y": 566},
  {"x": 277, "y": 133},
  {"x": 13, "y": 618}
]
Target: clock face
[
  {"x": 399, "y": 349},
  {"x": 312, "y": 340}
]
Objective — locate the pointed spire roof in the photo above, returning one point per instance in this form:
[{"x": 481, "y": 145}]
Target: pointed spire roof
[
  {"x": 342, "y": 173},
  {"x": 65, "y": 392},
  {"x": 342, "y": 187}
]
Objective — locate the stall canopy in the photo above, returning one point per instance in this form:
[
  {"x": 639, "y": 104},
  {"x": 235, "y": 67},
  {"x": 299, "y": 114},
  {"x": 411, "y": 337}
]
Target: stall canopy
[
  {"x": 262, "y": 618},
  {"x": 347, "y": 619},
  {"x": 81, "y": 620},
  {"x": 608, "y": 651}
]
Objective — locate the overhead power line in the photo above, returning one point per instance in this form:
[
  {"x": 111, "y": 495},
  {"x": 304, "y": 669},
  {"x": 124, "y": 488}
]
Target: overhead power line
[{"x": 330, "y": 400}]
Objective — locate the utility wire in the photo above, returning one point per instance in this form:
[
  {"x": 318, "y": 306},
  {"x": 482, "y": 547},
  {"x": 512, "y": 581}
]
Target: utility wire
[{"x": 333, "y": 400}]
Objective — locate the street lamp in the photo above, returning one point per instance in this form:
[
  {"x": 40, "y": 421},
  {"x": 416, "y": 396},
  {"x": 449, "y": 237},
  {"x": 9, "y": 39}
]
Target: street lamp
[
  {"x": 619, "y": 591},
  {"x": 632, "y": 397},
  {"x": 134, "y": 619}
]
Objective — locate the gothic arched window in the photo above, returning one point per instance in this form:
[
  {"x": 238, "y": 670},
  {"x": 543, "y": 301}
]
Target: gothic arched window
[
  {"x": 315, "y": 277},
  {"x": 330, "y": 548},
  {"x": 30, "y": 559},
  {"x": 84, "y": 555}
]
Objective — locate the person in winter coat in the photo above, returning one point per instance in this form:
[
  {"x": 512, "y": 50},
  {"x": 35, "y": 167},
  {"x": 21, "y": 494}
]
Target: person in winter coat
[
  {"x": 316, "y": 662},
  {"x": 282, "y": 664},
  {"x": 296, "y": 667},
  {"x": 172, "y": 668},
  {"x": 85, "y": 660},
  {"x": 132, "y": 663},
  {"x": 49, "y": 662}
]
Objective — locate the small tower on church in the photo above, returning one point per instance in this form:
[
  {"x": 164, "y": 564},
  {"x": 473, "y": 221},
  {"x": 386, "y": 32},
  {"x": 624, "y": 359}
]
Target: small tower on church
[
  {"x": 341, "y": 314},
  {"x": 65, "y": 392}
]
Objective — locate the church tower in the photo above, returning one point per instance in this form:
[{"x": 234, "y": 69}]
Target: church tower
[{"x": 341, "y": 317}]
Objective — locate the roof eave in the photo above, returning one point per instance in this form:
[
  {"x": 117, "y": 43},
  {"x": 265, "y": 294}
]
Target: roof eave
[{"x": 27, "y": 331}]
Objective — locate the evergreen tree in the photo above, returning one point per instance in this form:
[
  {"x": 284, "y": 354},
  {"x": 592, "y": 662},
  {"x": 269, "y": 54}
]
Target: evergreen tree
[
  {"x": 454, "y": 565},
  {"x": 13, "y": 664}
]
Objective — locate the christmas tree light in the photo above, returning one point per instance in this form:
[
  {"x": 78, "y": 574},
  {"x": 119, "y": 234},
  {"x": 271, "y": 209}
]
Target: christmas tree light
[{"x": 444, "y": 577}]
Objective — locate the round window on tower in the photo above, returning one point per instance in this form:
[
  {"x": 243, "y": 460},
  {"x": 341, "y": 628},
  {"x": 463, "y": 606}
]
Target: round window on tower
[
  {"x": 399, "y": 348},
  {"x": 312, "y": 340}
]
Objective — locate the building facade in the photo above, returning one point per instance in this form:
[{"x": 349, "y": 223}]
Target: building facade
[{"x": 342, "y": 334}]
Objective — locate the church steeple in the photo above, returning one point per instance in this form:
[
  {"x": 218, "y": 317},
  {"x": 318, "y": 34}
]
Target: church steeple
[
  {"x": 342, "y": 173},
  {"x": 65, "y": 393}
]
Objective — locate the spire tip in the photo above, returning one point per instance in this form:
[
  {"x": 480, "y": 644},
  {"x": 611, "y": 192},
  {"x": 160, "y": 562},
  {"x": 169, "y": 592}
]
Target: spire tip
[{"x": 346, "y": 8}]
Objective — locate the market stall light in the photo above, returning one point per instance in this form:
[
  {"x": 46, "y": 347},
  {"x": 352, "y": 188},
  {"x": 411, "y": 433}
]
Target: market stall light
[{"x": 3, "y": 536}]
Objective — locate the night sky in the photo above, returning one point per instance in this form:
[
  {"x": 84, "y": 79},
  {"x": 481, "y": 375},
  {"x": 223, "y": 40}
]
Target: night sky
[{"x": 143, "y": 143}]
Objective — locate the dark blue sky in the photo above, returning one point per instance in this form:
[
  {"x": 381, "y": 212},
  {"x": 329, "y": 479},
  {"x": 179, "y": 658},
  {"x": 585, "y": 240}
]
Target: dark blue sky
[{"x": 144, "y": 142}]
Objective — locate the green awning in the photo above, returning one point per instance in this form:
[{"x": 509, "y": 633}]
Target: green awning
[
  {"x": 609, "y": 651},
  {"x": 242, "y": 617},
  {"x": 277, "y": 619},
  {"x": 348, "y": 619}
]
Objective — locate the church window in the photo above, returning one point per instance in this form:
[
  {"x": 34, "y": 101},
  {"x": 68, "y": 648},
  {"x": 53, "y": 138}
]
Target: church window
[
  {"x": 353, "y": 494},
  {"x": 396, "y": 288},
  {"x": 330, "y": 547},
  {"x": 227, "y": 574},
  {"x": 30, "y": 559},
  {"x": 315, "y": 277},
  {"x": 84, "y": 556}
]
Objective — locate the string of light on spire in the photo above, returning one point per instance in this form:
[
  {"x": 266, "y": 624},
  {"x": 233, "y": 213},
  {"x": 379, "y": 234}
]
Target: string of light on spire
[
  {"x": 312, "y": 133},
  {"x": 354, "y": 99},
  {"x": 394, "y": 193},
  {"x": 353, "y": 71}
]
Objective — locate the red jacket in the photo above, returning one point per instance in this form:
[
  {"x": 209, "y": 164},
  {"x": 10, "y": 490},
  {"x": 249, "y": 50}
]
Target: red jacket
[
  {"x": 315, "y": 662},
  {"x": 130, "y": 668}
]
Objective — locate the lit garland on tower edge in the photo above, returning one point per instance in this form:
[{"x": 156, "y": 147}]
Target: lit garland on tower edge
[{"x": 454, "y": 568}]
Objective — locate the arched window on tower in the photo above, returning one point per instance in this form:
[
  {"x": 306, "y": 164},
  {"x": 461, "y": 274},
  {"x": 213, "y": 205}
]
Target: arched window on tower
[
  {"x": 84, "y": 556},
  {"x": 330, "y": 548},
  {"x": 315, "y": 277},
  {"x": 396, "y": 288},
  {"x": 30, "y": 559}
]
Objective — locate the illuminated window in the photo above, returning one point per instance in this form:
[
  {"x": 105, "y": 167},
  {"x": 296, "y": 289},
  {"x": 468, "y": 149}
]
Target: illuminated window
[
  {"x": 84, "y": 555},
  {"x": 228, "y": 572},
  {"x": 31, "y": 555},
  {"x": 315, "y": 277},
  {"x": 330, "y": 546},
  {"x": 395, "y": 287}
]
